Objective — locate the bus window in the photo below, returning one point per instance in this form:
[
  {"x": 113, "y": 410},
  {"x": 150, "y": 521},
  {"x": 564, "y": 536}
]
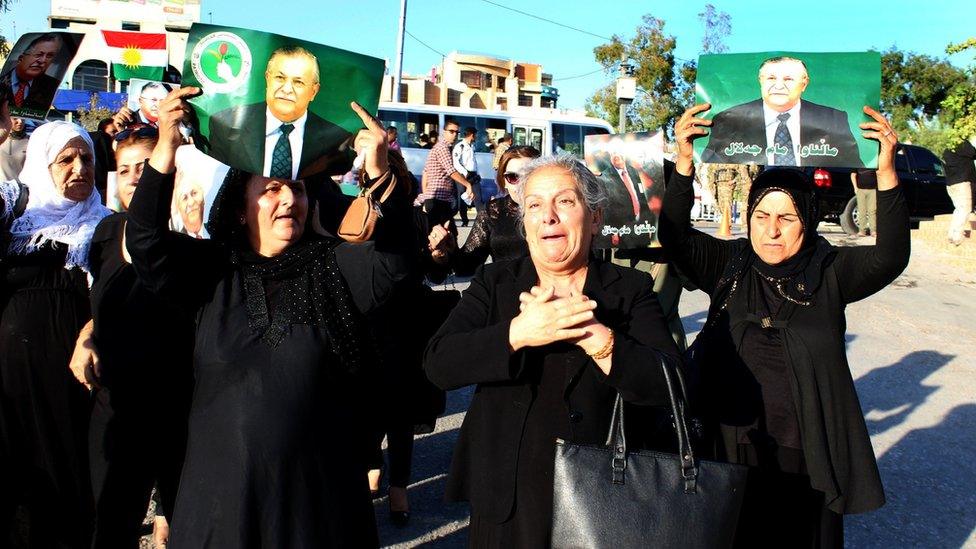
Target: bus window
[
  {"x": 396, "y": 119},
  {"x": 594, "y": 130},
  {"x": 519, "y": 136},
  {"x": 566, "y": 138},
  {"x": 490, "y": 130},
  {"x": 417, "y": 123},
  {"x": 536, "y": 138}
]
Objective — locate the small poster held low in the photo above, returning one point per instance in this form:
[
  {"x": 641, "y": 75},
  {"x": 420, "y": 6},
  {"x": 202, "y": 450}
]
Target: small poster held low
[
  {"x": 144, "y": 98},
  {"x": 34, "y": 70},
  {"x": 275, "y": 105},
  {"x": 788, "y": 109},
  {"x": 631, "y": 169}
]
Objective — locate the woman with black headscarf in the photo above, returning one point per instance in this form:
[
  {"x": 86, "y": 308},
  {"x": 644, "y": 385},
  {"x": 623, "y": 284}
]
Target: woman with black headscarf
[
  {"x": 277, "y": 449},
  {"x": 776, "y": 388}
]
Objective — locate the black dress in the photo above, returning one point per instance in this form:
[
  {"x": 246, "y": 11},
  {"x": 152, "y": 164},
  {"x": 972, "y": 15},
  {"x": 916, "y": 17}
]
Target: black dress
[
  {"x": 776, "y": 387},
  {"x": 496, "y": 233},
  {"x": 277, "y": 449},
  {"x": 138, "y": 425},
  {"x": 43, "y": 409}
]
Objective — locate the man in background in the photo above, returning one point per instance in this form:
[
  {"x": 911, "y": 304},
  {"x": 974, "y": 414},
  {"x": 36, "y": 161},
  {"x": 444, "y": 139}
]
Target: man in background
[
  {"x": 437, "y": 187},
  {"x": 504, "y": 143},
  {"x": 13, "y": 151},
  {"x": 467, "y": 165}
]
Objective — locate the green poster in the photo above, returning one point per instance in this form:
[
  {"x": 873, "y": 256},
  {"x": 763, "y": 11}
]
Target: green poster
[
  {"x": 276, "y": 105},
  {"x": 630, "y": 167},
  {"x": 788, "y": 108}
]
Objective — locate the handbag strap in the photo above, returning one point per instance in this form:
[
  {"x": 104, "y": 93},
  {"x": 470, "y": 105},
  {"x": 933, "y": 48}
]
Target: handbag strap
[
  {"x": 386, "y": 193},
  {"x": 617, "y": 441}
]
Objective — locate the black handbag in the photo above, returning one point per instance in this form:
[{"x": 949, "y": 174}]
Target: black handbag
[{"x": 608, "y": 497}]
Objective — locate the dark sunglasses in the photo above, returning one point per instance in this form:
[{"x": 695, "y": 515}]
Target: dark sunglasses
[
  {"x": 451, "y": 131},
  {"x": 511, "y": 177},
  {"x": 142, "y": 131}
]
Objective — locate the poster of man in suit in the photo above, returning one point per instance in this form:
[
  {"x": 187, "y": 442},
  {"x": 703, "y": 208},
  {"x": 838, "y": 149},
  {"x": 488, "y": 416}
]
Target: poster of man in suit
[
  {"x": 144, "y": 97},
  {"x": 274, "y": 105},
  {"x": 807, "y": 111},
  {"x": 631, "y": 169},
  {"x": 34, "y": 70}
]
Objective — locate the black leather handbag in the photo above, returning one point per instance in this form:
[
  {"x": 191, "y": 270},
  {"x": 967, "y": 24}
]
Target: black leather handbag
[{"x": 608, "y": 497}]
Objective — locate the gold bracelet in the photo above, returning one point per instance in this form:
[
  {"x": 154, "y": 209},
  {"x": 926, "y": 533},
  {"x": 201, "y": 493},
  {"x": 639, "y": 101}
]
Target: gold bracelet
[{"x": 606, "y": 350}]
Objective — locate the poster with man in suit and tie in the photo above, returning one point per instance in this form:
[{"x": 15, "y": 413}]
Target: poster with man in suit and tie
[
  {"x": 274, "y": 105},
  {"x": 631, "y": 169},
  {"x": 788, "y": 108},
  {"x": 34, "y": 70}
]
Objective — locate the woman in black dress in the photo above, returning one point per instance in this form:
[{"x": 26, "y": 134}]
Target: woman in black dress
[
  {"x": 145, "y": 346},
  {"x": 496, "y": 230},
  {"x": 549, "y": 339},
  {"x": 43, "y": 306},
  {"x": 277, "y": 449},
  {"x": 776, "y": 387}
]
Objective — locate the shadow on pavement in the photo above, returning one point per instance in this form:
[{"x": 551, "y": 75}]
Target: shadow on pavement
[
  {"x": 893, "y": 392},
  {"x": 930, "y": 482}
]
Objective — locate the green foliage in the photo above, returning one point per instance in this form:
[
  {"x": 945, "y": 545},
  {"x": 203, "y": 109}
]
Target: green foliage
[
  {"x": 913, "y": 88},
  {"x": 664, "y": 87},
  {"x": 90, "y": 116},
  {"x": 959, "y": 107}
]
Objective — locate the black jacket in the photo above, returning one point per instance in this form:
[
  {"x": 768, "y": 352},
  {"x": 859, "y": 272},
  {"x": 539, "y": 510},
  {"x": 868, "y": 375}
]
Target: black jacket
[
  {"x": 959, "y": 163},
  {"x": 836, "y": 446},
  {"x": 472, "y": 348},
  {"x": 237, "y": 138},
  {"x": 745, "y": 124}
]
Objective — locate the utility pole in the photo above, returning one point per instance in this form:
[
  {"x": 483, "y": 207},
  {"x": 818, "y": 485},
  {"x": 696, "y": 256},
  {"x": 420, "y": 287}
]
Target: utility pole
[
  {"x": 626, "y": 89},
  {"x": 398, "y": 65}
]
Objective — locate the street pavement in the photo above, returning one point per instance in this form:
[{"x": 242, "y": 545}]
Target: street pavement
[{"x": 910, "y": 347}]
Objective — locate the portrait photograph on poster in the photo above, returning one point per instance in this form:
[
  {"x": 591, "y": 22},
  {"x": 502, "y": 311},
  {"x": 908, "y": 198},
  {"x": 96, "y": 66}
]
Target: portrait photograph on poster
[
  {"x": 788, "y": 108},
  {"x": 33, "y": 71},
  {"x": 631, "y": 169},
  {"x": 144, "y": 97},
  {"x": 275, "y": 105}
]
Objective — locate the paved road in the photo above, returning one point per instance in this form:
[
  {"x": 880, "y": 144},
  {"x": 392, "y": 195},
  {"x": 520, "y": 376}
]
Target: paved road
[{"x": 911, "y": 352}]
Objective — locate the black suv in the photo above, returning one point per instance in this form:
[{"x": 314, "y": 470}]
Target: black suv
[{"x": 920, "y": 174}]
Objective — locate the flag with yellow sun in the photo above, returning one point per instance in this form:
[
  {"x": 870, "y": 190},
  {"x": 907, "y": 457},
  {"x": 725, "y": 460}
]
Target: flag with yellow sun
[{"x": 137, "y": 54}]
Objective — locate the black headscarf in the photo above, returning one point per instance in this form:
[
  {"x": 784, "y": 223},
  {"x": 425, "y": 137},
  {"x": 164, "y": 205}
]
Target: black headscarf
[
  {"x": 305, "y": 278},
  {"x": 801, "y": 272}
]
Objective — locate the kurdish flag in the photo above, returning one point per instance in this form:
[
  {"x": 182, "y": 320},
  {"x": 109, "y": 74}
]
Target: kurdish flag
[{"x": 137, "y": 54}]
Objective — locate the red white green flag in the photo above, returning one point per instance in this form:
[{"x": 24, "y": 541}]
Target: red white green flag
[{"x": 136, "y": 54}]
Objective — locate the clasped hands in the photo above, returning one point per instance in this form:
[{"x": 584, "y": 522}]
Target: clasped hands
[{"x": 545, "y": 318}]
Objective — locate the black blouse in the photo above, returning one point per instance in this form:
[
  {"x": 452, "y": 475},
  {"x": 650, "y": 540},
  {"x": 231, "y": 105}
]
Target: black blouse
[{"x": 496, "y": 232}]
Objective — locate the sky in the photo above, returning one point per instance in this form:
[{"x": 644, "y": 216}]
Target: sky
[{"x": 370, "y": 27}]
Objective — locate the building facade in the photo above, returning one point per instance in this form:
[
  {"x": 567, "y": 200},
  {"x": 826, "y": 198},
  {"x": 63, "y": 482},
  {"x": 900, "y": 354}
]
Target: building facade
[{"x": 477, "y": 81}]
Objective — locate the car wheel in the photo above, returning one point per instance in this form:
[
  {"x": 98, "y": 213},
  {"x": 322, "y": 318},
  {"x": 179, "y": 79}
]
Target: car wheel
[{"x": 848, "y": 219}]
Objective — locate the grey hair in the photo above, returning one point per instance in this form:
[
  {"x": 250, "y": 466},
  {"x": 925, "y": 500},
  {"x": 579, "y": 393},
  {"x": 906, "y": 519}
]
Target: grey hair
[{"x": 589, "y": 187}]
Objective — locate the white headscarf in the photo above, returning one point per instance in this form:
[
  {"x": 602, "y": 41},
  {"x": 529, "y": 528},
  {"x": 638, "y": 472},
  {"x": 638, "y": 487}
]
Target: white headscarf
[{"x": 50, "y": 217}]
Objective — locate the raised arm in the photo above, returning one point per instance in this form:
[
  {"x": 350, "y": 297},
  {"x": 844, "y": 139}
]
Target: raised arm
[
  {"x": 701, "y": 257},
  {"x": 372, "y": 268},
  {"x": 170, "y": 264},
  {"x": 864, "y": 270}
]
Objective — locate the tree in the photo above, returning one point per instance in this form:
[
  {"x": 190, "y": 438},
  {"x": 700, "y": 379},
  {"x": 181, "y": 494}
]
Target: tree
[
  {"x": 89, "y": 117},
  {"x": 4, "y": 45},
  {"x": 913, "y": 87},
  {"x": 959, "y": 106},
  {"x": 664, "y": 88}
]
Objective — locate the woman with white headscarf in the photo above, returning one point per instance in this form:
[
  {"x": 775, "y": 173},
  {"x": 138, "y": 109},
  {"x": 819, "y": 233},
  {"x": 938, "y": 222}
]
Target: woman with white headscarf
[{"x": 47, "y": 217}]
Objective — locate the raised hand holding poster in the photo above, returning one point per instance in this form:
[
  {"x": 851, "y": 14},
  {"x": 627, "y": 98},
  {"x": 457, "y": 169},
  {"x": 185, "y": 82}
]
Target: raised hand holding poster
[{"x": 275, "y": 105}]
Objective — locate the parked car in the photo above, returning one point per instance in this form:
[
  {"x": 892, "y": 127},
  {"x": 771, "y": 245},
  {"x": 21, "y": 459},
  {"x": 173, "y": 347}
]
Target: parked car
[{"x": 920, "y": 174}]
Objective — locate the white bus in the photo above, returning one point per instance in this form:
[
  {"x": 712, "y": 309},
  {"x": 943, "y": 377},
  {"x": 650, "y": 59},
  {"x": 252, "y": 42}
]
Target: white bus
[{"x": 548, "y": 130}]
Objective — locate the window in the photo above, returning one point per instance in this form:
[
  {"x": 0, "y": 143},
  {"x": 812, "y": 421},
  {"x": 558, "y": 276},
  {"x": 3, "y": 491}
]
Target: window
[
  {"x": 409, "y": 125},
  {"x": 594, "y": 130},
  {"x": 130, "y": 26},
  {"x": 927, "y": 163},
  {"x": 91, "y": 75},
  {"x": 453, "y": 98},
  {"x": 901, "y": 161},
  {"x": 472, "y": 79},
  {"x": 525, "y": 101},
  {"x": 548, "y": 103},
  {"x": 490, "y": 130},
  {"x": 567, "y": 138}
]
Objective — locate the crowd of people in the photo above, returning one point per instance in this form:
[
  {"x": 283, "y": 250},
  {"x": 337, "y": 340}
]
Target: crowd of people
[{"x": 248, "y": 379}]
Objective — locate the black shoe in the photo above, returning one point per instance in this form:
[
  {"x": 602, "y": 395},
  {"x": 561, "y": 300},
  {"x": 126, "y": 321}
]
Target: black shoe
[{"x": 400, "y": 519}]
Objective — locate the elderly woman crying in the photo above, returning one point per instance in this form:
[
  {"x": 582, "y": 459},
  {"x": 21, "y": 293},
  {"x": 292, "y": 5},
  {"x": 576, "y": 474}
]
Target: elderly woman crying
[{"x": 549, "y": 340}]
